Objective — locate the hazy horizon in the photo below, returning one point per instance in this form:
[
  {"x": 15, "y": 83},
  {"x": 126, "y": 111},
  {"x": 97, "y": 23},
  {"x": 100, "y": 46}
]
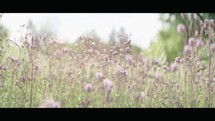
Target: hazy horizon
[{"x": 69, "y": 26}]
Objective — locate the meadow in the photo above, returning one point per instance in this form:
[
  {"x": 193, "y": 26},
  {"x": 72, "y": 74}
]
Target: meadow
[{"x": 93, "y": 74}]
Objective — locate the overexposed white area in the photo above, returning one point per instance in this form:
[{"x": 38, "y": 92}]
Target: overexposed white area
[{"x": 69, "y": 26}]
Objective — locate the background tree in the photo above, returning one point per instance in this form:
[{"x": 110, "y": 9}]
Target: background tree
[
  {"x": 3, "y": 39},
  {"x": 112, "y": 37},
  {"x": 3, "y": 32},
  {"x": 172, "y": 41},
  {"x": 122, "y": 31},
  {"x": 42, "y": 34}
]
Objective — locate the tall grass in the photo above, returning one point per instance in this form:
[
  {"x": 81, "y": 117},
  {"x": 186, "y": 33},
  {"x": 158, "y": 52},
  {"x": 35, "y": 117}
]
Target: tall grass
[{"x": 91, "y": 74}]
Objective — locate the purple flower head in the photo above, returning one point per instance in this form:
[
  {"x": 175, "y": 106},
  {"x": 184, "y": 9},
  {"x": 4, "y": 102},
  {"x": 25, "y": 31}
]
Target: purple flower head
[
  {"x": 177, "y": 59},
  {"x": 158, "y": 75},
  {"x": 177, "y": 86},
  {"x": 192, "y": 41},
  {"x": 99, "y": 75},
  {"x": 108, "y": 85},
  {"x": 213, "y": 79},
  {"x": 89, "y": 87},
  {"x": 127, "y": 49},
  {"x": 180, "y": 28},
  {"x": 23, "y": 78},
  {"x": 143, "y": 60},
  {"x": 50, "y": 104},
  {"x": 187, "y": 49},
  {"x": 118, "y": 69},
  {"x": 174, "y": 67},
  {"x": 199, "y": 43},
  {"x": 65, "y": 50},
  {"x": 213, "y": 47},
  {"x": 128, "y": 58},
  {"x": 93, "y": 44},
  {"x": 89, "y": 51},
  {"x": 142, "y": 95}
]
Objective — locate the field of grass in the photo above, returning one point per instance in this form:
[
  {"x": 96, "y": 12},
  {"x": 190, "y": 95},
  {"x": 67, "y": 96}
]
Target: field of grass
[{"x": 94, "y": 75}]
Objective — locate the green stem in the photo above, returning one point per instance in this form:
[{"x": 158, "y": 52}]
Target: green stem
[{"x": 209, "y": 77}]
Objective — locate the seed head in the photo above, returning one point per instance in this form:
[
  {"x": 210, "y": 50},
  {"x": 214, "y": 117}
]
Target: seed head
[
  {"x": 93, "y": 44},
  {"x": 192, "y": 41},
  {"x": 180, "y": 28},
  {"x": 187, "y": 49},
  {"x": 108, "y": 85},
  {"x": 89, "y": 87},
  {"x": 158, "y": 75},
  {"x": 199, "y": 43},
  {"x": 99, "y": 75},
  {"x": 174, "y": 67},
  {"x": 142, "y": 95}
]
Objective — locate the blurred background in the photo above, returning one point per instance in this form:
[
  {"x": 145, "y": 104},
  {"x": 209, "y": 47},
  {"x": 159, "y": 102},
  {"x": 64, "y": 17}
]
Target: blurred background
[
  {"x": 68, "y": 27},
  {"x": 154, "y": 35}
]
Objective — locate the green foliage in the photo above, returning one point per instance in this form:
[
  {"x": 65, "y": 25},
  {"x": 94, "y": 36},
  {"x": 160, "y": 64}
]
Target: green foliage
[
  {"x": 156, "y": 51},
  {"x": 3, "y": 35},
  {"x": 3, "y": 40},
  {"x": 136, "y": 49},
  {"x": 172, "y": 43},
  {"x": 30, "y": 78}
]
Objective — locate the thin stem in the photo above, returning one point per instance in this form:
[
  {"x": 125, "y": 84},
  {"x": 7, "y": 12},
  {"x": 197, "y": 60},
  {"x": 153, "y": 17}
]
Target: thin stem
[{"x": 209, "y": 76}]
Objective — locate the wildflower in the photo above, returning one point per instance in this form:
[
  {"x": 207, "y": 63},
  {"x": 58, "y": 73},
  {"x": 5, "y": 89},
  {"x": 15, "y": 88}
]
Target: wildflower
[
  {"x": 144, "y": 60},
  {"x": 127, "y": 49},
  {"x": 187, "y": 49},
  {"x": 118, "y": 69},
  {"x": 129, "y": 59},
  {"x": 158, "y": 76},
  {"x": 65, "y": 50},
  {"x": 191, "y": 41},
  {"x": 182, "y": 60},
  {"x": 99, "y": 75},
  {"x": 177, "y": 86},
  {"x": 50, "y": 104},
  {"x": 174, "y": 67},
  {"x": 89, "y": 87},
  {"x": 108, "y": 85},
  {"x": 123, "y": 73},
  {"x": 93, "y": 44},
  {"x": 165, "y": 68},
  {"x": 89, "y": 51},
  {"x": 199, "y": 43},
  {"x": 213, "y": 79},
  {"x": 142, "y": 95},
  {"x": 115, "y": 53},
  {"x": 180, "y": 28},
  {"x": 23, "y": 78},
  {"x": 177, "y": 59}
]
